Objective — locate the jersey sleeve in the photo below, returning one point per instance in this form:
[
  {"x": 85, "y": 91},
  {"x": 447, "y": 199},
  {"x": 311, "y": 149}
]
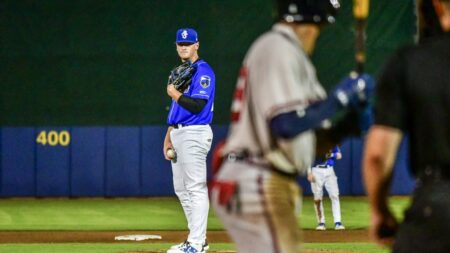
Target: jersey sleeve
[
  {"x": 203, "y": 83},
  {"x": 277, "y": 86},
  {"x": 336, "y": 150},
  {"x": 390, "y": 107}
]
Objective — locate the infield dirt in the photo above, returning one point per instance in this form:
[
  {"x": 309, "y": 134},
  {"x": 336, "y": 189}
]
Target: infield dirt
[{"x": 309, "y": 236}]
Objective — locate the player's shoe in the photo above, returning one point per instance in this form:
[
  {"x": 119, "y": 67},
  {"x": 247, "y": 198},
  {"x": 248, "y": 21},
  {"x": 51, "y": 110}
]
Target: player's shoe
[
  {"x": 338, "y": 226},
  {"x": 205, "y": 245},
  {"x": 186, "y": 247},
  {"x": 180, "y": 245},
  {"x": 321, "y": 226},
  {"x": 183, "y": 244}
]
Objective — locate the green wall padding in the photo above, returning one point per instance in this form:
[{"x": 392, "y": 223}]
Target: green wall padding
[{"x": 91, "y": 62}]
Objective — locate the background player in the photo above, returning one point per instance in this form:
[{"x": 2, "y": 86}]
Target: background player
[
  {"x": 190, "y": 135},
  {"x": 413, "y": 97},
  {"x": 322, "y": 175},
  {"x": 278, "y": 101}
]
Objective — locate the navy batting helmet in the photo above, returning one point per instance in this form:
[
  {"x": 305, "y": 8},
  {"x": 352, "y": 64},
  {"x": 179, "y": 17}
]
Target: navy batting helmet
[{"x": 307, "y": 11}]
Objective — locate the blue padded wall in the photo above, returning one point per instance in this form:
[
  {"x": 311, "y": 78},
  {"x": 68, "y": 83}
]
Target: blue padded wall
[
  {"x": 18, "y": 162},
  {"x": 123, "y": 146},
  {"x": 128, "y": 161},
  {"x": 52, "y": 168},
  {"x": 356, "y": 164},
  {"x": 88, "y": 161},
  {"x": 156, "y": 171}
]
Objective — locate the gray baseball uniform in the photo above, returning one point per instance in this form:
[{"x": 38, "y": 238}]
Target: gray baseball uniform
[{"x": 277, "y": 76}]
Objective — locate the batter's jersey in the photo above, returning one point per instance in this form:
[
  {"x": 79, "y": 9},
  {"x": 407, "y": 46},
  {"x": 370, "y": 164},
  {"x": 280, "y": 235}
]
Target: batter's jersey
[
  {"x": 413, "y": 95},
  {"x": 202, "y": 86},
  {"x": 276, "y": 77}
]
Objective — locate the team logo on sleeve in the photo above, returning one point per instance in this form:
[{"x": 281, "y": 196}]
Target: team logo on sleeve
[{"x": 205, "y": 81}]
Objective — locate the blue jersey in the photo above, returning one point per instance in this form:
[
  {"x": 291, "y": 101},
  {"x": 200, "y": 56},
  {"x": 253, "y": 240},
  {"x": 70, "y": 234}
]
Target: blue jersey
[
  {"x": 331, "y": 157},
  {"x": 202, "y": 86}
]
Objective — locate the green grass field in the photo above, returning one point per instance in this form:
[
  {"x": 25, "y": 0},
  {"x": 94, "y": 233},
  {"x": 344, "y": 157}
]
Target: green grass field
[
  {"x": 146, "y": 247},
  {"x": 151, "y": 214}
]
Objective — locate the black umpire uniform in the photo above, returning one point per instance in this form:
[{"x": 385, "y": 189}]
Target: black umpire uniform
[{"x": 413, "y": 94}]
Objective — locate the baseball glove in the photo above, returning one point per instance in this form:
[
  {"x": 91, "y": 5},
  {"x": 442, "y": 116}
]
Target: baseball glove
[{"x": 181, "y": 76}]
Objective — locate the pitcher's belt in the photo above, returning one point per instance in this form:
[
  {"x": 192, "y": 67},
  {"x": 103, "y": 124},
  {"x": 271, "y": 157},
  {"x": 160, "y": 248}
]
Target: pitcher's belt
[{"x": 176, "y": 126}]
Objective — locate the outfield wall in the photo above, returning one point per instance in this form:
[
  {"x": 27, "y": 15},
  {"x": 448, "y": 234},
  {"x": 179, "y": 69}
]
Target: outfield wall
[
  {"x": 124, "y": 162},
  {"x": 93, "y": 67}
]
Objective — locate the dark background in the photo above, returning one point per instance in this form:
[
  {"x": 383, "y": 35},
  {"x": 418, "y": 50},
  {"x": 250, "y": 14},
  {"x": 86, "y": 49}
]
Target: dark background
[{"x": 106, "y": 62}]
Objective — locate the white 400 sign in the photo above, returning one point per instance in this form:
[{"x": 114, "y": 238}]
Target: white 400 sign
[{"x": 53, "y": 138}]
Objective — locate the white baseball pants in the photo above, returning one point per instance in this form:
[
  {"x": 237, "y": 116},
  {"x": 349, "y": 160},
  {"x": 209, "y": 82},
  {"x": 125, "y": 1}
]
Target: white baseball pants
[
  {"x": 192, "y": 144},
  {"x": 325, "y": 177}
]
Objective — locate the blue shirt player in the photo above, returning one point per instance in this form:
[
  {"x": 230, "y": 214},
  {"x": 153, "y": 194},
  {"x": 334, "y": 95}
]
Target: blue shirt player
[
  {"x": 197, "y": 102},
  {"x": 190, "y": 136},
  {"x": 323, "y": 175},
  {"x": 332, "y": 156}
]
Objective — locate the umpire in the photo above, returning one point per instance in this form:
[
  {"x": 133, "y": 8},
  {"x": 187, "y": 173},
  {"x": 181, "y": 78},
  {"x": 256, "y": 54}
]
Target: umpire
[{"x": 413, "y": 98}]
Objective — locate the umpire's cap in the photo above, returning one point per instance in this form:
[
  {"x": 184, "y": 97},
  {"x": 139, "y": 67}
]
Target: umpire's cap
[
  {"x": 186, "y": 35},
  {"x": 307, "y": 11}
]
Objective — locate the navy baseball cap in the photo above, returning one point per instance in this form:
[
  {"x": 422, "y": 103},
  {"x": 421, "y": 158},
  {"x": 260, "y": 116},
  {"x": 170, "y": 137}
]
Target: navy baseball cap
[{"x": 186, "y": 35}]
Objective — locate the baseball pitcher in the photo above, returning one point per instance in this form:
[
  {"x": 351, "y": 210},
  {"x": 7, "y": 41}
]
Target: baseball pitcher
[{"x": 189, "y": 136}]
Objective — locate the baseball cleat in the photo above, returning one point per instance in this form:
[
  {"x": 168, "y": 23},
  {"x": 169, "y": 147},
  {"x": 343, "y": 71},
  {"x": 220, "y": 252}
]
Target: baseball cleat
[
  {"x": 180, "y": 245},
  {"x": 205, "y": 245},
  {"x": 338, "y": 226},
  {"x": 321, "y": 226},
  {"x": 186, "y": 247}
]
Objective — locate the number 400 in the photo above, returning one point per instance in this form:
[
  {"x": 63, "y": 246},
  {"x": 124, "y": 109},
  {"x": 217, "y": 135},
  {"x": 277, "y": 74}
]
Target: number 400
[{"x": 53, "y": 138}]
